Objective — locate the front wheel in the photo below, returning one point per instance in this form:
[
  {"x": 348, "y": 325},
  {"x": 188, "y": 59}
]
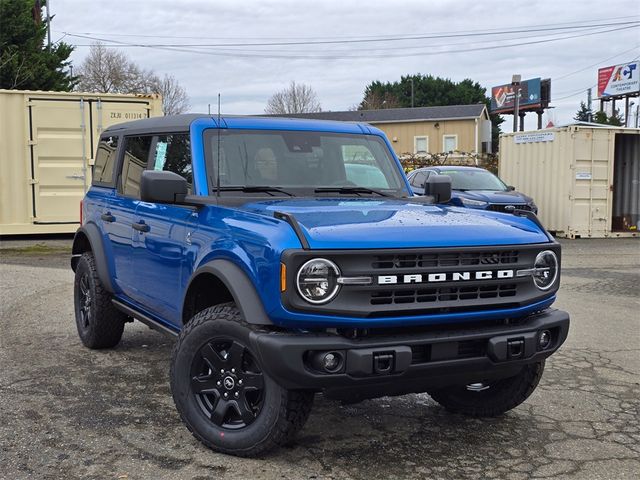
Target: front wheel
[
  {"x": 221, "y": 392},
  {"x": 492, "y": 398}
]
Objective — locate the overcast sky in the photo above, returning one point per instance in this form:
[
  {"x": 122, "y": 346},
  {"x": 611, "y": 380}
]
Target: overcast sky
[{"x": 246, "y": 76}]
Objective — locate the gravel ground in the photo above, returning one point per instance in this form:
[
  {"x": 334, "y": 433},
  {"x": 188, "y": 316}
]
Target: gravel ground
[{"x": 69, "y": 412}]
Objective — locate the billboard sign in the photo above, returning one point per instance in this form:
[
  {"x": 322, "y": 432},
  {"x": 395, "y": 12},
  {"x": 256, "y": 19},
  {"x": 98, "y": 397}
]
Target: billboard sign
[
  {"x": 619, "y": 80},
  {"x": 503, "y": 97}
]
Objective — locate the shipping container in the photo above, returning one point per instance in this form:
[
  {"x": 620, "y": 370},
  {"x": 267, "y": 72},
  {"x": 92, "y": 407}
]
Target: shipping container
[
  {"x": 47, "y": 142},
  {"x": 584, "y": 178}
]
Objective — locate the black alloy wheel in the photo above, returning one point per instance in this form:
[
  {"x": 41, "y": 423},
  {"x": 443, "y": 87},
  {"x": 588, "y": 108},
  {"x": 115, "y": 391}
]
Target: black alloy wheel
[
  {"x": 84, "y": 300},
  {"x": 227, "y": 384}
]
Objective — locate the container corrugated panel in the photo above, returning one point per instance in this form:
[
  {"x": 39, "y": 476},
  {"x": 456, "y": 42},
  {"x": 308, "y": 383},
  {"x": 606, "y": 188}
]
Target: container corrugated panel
[
  {"x": 47, "y": 144},
  {"x": 569, "y": 173}
]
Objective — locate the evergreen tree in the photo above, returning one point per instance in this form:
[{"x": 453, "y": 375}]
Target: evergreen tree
[
  {"x": 584, "y": 114},
  {"x": 26, "y": 63}
]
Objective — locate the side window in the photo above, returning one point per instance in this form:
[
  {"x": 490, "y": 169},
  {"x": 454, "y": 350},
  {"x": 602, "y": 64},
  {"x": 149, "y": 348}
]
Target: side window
[
  {"x": 136, "y": 157},
  {"x": 173, "y": 154},
  {"x": 105, "y": 161},
  {"x": 418, "y": 179}
]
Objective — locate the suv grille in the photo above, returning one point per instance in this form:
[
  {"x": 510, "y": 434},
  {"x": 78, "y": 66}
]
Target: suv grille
[
  {"x": 443, "y": 294},
  {"x": 423, "y": 281},
  {"x": 499, "y": 207},
  {"x": 456, "y": 259}
]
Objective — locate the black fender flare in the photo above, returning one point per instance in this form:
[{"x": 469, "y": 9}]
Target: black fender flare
[
  {"x": 91, "y": 232},
  {"x": 239, "y": 285}
]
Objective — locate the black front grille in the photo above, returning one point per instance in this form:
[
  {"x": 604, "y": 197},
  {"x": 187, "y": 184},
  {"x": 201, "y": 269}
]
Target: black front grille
[
  {"x": 424, "y": 281},
  {"x": 508, "y": 207},
  {"x": 452, "y": 259},
  {"x": 443, "y": 294}
]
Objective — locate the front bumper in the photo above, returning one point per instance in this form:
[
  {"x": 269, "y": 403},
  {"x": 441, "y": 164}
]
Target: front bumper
[{"x": 418, "y": 361}]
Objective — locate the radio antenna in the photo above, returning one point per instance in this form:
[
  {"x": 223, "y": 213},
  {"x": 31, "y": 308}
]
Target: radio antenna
[{"x": 218, "y": 153}]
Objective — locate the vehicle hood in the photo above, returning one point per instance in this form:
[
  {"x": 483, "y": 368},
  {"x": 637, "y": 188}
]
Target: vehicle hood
[
  {"x": 396, "y": 223},
  {"x": 491, "y": 196}
]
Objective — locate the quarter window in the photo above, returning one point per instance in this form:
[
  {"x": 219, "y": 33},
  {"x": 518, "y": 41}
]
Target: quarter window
[
  {"x": 136, "y": 159},
  {"x": 105, "y": 161},
  {"x": 173, "y": 154}
]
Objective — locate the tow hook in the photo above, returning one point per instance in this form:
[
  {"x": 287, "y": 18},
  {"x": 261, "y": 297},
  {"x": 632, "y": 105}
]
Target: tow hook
[{"x": 383, "y": 363}]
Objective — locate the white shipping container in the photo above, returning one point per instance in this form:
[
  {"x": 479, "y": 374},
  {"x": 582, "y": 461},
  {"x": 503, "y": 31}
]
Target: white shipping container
[
  {"x": 47, "y": 144},
  {"x": 585, "y": 179}
]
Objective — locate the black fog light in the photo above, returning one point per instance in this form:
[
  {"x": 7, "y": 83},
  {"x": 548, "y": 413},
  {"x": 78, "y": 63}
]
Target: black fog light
[
  {"x": 544, "y": 339},
  {"x": 328, "y": 362}
]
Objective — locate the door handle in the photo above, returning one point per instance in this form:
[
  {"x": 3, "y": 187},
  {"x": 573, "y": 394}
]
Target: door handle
[
  {"x": 107, "y": 217},
  {"x": 141, "y": 227}
]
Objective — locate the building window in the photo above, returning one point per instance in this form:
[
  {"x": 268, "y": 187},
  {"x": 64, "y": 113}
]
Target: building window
[
  {"x": 420, "y": 145},
  {"x": 450, "y": 143}
]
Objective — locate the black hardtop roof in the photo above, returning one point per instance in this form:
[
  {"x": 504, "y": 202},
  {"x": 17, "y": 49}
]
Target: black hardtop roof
[{"x": 173, "y": 123}]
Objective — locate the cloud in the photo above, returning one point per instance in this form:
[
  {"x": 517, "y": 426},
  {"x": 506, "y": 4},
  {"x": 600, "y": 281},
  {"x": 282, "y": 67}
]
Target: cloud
[{"x": 247, "y": 82}]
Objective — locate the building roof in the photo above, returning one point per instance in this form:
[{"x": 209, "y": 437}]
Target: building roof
[{"x": 389, "y": 115}]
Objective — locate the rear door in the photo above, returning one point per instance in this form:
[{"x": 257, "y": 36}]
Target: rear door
[
  {"x": 161, "y": 249},
  {"x": 122, "y": 207}
]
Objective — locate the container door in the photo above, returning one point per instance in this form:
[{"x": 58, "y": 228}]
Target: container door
[{"x": 60, "y": 158}]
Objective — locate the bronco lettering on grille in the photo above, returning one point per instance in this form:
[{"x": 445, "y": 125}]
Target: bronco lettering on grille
[{"x": 445, "y": 277}]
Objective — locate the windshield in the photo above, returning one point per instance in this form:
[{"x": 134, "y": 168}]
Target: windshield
[
  {"x": 474, "y": 180},
  {"x": 301, "y": 163}
]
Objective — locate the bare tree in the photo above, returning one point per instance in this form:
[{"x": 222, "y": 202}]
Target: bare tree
[
  {"x": 296, "y": 98},
  {"x": 174, "y": 96},
  {"x": 107, "y": 70}
]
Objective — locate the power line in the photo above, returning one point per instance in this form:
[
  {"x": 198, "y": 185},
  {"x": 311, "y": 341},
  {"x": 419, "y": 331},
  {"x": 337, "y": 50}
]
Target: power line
[
  {"x": 400, "y": 35},
  {"x": 333, "y": 56},
  {"x": 305, "y": 52},
  {"x": 598, "y": 63},
  {"x": 379, "y": 39}
]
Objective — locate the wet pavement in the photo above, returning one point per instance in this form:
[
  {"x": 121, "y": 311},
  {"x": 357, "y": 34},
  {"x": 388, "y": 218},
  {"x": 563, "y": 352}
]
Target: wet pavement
[{"x": 69, "y": 412}]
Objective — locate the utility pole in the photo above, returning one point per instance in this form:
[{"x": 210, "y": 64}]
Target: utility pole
[
  {"x": 589, "y": 115},
  {"x": 411, "y": 80},
  {"x": 515, "y": 83},
  {"x": 48, "y": 27}
]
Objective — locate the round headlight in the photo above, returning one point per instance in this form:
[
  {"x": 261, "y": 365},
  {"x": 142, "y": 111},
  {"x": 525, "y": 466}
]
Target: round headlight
[
  {"x": 317, "y": 280},
  {"x": 545, "y": 270}
]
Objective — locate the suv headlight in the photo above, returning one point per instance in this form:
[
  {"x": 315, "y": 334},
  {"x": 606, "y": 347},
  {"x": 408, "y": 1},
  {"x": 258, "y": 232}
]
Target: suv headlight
[
  {"x": 545, "y": 270},
  {"x": 467, "y": 202},
  {"x": 317, "y": 280}
]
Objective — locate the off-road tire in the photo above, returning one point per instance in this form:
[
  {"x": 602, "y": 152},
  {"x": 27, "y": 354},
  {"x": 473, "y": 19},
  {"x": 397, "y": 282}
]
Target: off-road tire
[
  {"x": 104, "y": 325},
  {"x": 501, "y": 396},
  {"x": 283, "y": 412}
]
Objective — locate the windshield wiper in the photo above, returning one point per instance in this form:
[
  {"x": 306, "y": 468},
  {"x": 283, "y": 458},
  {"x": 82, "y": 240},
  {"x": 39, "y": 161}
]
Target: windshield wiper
[
  {"x": 356, "y": 190},
  {"x": 255, "y": 189}
]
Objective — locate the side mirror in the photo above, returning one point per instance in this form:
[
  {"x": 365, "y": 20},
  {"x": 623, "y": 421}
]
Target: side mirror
[
  {"x": 510, "y": 188},
  {"x": 162, "y": 187},
  {"x": 439, "y": 187}
]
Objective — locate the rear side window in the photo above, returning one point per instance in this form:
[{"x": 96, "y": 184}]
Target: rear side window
[
  {"x": 105, "y": 161},
  {"x": 136, "y": 159},
  {"x": 173, "y": 154}
]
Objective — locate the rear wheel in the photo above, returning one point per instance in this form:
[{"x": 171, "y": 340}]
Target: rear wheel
[
  {"x": 492, "y": 398},
  {"x": 99, "y": 323},
  {"x": 221, "y": 392}
]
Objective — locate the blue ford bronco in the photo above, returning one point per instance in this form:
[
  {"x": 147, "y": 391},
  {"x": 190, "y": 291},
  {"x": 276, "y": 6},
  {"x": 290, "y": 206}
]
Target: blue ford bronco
[{"x": 289, "y": 258}]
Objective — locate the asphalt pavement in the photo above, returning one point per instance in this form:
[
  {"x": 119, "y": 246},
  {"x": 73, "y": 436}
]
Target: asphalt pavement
[{"x": 67, "y": 412}]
